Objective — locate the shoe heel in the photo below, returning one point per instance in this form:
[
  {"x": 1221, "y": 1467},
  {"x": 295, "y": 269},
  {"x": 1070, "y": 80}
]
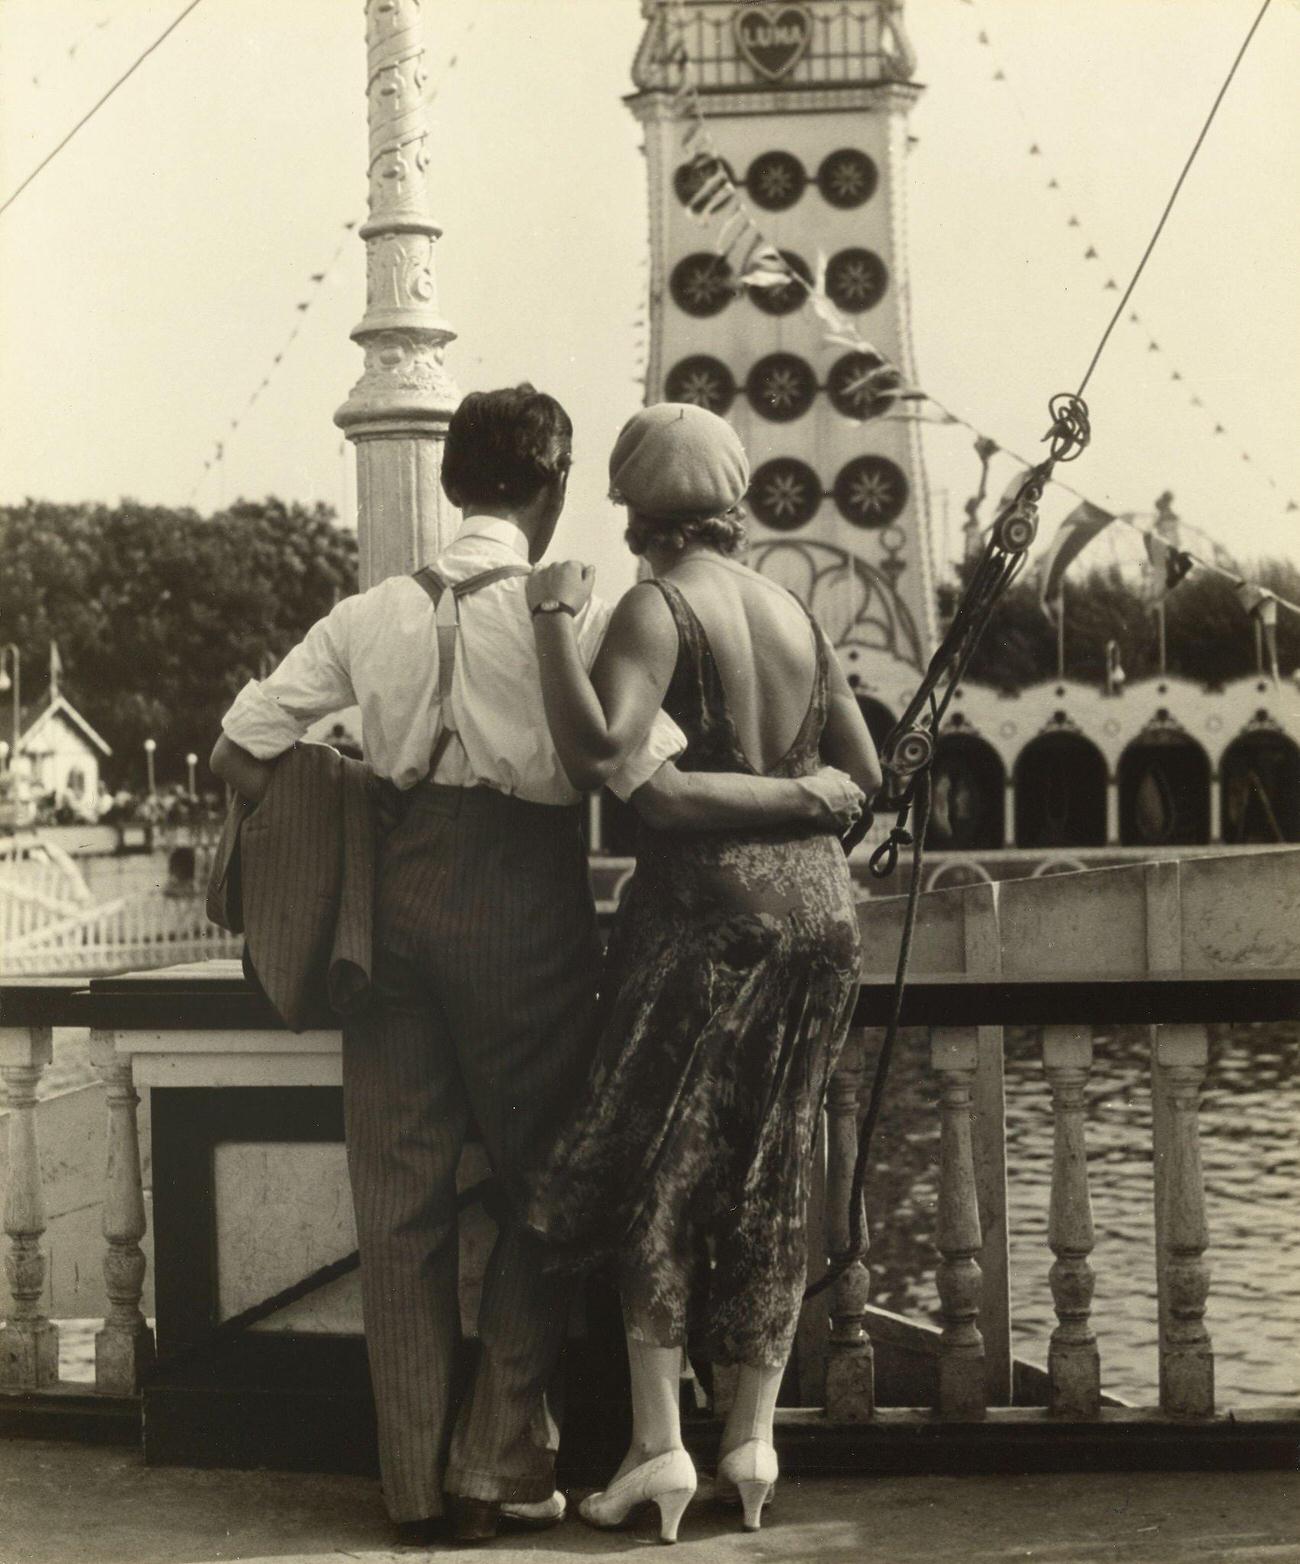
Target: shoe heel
[
  {"x": 671, "y": 1506},
  {"x": 753, "y": 1496}
]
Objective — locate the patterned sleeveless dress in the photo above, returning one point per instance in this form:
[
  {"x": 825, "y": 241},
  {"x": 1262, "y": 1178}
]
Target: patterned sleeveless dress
[{"x": 727, "y": 991}]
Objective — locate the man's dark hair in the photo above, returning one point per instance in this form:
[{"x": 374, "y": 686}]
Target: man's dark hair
[{"x": 503, "y": 446}]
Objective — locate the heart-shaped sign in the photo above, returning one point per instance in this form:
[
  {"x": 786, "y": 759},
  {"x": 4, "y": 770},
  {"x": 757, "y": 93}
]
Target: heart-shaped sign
[{"x": 773, "y": 38}]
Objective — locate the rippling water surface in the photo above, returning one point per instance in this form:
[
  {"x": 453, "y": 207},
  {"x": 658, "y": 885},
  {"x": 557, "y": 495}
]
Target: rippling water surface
[{"x": 1249, "y": 1123}]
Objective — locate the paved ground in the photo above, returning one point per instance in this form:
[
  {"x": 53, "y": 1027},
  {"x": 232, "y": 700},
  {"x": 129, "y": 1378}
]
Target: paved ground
[{"x": 74, "y": 1504}]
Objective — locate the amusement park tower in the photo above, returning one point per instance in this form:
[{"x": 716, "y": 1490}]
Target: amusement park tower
[{"x": 806, "y": 107}]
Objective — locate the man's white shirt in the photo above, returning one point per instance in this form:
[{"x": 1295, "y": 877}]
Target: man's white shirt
[{"x": 379, "y": 650}]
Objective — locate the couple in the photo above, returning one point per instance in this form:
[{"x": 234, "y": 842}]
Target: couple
[{"x": 691, "y": 1086}]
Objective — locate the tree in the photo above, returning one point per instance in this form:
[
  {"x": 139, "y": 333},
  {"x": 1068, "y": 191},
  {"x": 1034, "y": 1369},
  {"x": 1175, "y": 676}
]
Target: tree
[
  {"x": 162, "y": 615},
  {"x": 1209, "y": 637}
]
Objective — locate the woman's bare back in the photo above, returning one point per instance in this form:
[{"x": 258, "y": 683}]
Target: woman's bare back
[{"x": 765, "y": 650}]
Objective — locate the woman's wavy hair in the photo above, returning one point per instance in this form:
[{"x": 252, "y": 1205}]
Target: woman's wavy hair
[
  {"x": 504, "y": 446},
  {"x": 725, "y": 532}
]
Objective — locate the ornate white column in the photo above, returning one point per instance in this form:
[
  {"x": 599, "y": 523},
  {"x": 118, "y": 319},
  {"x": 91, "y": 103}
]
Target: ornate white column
[{"x": 398, "y": 411}]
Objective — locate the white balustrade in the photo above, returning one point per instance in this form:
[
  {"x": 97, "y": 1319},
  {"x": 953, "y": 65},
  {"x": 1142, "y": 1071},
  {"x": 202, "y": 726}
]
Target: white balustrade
[
  {"x": 850, "y": 1368},
  {"x": 125, "y": 1346},
  {"x": 29, "y": 1342},
  {"x": 1073, "y": 1364},
  {"x": 1179, "y": 1055},
  {"x": 954, "y": 1055}
]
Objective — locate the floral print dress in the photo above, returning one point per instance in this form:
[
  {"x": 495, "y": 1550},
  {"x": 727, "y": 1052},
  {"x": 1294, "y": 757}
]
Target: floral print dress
[{"x": 728, "y": 987}]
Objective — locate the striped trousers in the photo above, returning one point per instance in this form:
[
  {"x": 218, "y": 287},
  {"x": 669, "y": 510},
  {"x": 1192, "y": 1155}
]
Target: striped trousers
[{"x": 485, "y": 967}]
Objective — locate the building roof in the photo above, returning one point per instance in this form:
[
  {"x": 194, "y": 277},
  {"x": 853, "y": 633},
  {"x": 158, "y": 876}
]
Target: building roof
[{"x": 31, "y": 719}]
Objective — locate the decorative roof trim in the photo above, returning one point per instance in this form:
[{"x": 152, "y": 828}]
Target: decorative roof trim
[{"x": 62, "y": 706}]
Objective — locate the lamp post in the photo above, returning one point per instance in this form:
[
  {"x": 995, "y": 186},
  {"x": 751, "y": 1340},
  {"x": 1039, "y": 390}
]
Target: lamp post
[
  {"x": 149, "y": 747},
  {"x": 14, "y": 684},
  {"x": 192, "y": 760}
]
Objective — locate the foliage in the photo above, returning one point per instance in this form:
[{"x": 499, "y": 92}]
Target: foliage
[
  {"x": 1209, "y": 637},
  {"x": 161, "y": 615}
]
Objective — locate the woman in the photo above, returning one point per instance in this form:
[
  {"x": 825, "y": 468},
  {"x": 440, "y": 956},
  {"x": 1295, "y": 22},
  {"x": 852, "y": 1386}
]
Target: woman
[{"x": 732, "y": 969}]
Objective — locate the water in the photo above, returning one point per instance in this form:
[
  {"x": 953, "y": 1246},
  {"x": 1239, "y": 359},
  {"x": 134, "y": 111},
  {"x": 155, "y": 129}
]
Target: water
[{"x": 1249, "y": 1122}]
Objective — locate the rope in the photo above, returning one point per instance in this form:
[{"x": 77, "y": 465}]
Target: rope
[
  {"x": 1169, "y": 205},
  {"x": 856, "y": 1248},
  {"x": 90, "y": 113},
  {"x": 910, "y": 749}
]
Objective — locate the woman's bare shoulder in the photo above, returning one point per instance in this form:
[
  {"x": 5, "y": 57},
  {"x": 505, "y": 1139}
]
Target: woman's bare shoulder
[{"x": 642, "y": 606}]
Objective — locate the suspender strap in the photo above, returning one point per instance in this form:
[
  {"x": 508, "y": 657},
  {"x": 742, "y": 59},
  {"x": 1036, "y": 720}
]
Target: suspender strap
[{"x": 447, "y": 618}]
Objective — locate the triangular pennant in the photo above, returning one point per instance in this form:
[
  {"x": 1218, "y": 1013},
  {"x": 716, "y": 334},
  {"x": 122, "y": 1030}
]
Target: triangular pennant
[{"x": 1078, "y": 529}]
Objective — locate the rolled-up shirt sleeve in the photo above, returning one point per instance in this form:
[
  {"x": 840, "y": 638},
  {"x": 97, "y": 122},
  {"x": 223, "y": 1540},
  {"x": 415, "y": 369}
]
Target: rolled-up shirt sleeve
[
  {"x": 665, "y": 741},
  {"x": 270, "y": 716}
]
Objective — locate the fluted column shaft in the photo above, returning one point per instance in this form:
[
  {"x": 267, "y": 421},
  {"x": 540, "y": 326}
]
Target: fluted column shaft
[{"x": 397, "y": 413}]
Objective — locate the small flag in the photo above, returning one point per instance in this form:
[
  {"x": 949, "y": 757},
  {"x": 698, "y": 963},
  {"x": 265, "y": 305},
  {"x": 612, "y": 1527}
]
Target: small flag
[
  {"x": 1078, "y": 529},
  {"x": 1166, "y": 566},
  {"x": 56, "y": 669}
]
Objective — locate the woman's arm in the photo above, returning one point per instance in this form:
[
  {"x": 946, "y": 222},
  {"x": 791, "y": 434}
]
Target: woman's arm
[
  {"x": 846, "y": 740},
  {"x": 674, "y": 800},
  {"x": 597, "y": 721}
]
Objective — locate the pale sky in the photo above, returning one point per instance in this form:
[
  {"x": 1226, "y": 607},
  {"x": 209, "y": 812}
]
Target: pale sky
[{"x": 151, "y": 273}]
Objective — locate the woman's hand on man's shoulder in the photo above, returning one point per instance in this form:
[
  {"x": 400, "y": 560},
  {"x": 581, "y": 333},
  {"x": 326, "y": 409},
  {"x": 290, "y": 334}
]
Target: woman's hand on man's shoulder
[{"x": 568, "y": 581}]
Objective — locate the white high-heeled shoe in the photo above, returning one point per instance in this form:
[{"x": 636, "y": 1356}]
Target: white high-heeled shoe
[
  {"x": 668, "y": 1480},
  {"x": 751, "y": 1469}
]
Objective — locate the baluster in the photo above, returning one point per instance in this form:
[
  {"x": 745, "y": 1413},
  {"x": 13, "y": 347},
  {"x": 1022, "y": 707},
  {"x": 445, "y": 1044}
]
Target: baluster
[
  {"x": 29, "y": 1342},
  {"x": 850, "y": 1361},
  {"x": 1073, "y": 1363},
  {"x": 125, "y": 1346},
  {"x": 954, "y": 1053},
  {"x": 1179, "y": 1058}
]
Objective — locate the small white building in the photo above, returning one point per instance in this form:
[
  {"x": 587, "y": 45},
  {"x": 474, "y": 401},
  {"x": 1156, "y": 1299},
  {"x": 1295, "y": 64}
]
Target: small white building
[{"x": 59, "y": 753}]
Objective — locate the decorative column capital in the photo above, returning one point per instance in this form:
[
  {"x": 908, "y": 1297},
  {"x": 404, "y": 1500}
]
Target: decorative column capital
[
  {"x": 403, "y": 333},
  {"x": 398, "y": 411}
]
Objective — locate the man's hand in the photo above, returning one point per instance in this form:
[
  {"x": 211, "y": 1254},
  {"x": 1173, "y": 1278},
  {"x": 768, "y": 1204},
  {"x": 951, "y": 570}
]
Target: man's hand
[
  {"x": 244, "y": 772},
  {"x": 837, "y": 799},
  {"x": 569, "y": 582}
]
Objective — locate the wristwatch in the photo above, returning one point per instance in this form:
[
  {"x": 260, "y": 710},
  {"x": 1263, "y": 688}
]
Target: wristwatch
[{"x": 553, "y": 605}]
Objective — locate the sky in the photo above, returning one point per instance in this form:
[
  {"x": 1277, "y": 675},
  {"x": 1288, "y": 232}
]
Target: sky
[{"x": 149, "y": 276}]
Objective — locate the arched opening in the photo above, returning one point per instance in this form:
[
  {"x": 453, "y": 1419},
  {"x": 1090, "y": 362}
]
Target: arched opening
[
  {"x": 1164, "y": 791},
  {"x": 878, "y": 717},
  {"x": 966, "y": 801},
  {"x": 1060, "y": 792},
  {"x": 1259, "y": 778}
]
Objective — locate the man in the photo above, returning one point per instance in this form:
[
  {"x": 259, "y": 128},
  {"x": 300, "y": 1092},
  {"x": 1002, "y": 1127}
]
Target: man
[{"x": 485, "y": 954}]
